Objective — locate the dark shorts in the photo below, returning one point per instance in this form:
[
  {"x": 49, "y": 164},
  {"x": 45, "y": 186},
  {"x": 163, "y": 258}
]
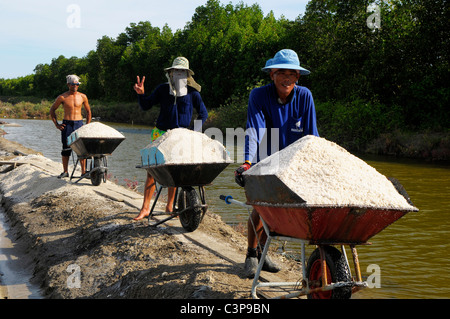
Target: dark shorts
[{"x": 71, "y": 126}]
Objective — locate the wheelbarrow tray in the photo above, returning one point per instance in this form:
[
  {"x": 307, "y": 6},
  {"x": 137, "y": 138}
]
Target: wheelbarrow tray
[
  {"x": 88, "y": 146},
  {"x": 328, "y": 225},
  {"x": 286, "y": 214},
  {"x": 179, "y": 175}
]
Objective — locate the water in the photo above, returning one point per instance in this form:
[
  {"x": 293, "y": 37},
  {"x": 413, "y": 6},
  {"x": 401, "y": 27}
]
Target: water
[
  {"x": 15, "y": 267},
  {"x": 412, "y": 253}
]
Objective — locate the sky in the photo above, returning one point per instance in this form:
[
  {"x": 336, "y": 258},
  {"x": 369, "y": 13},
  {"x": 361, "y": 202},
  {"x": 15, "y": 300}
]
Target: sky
[{"x": 35, "y": 32}]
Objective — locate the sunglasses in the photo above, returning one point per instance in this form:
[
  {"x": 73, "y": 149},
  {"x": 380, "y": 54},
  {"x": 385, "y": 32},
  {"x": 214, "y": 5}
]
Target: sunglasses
[{"x": 77, "y": 84}]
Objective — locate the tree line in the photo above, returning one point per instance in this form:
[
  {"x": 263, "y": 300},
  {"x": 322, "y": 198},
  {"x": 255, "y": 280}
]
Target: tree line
[{"x": 394, "y": 70}]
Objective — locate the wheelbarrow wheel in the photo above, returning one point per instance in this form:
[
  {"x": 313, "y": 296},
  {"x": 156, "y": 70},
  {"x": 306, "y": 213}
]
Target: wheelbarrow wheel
[
  {"x": 337, "y": 271},
  {"x": 97, "y": 175},
  {"x": 190, "y": 206}
]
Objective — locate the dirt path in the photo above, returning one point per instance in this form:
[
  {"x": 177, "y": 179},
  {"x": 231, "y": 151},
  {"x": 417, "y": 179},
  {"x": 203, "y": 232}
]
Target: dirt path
[{"x": 84, "y": 243}]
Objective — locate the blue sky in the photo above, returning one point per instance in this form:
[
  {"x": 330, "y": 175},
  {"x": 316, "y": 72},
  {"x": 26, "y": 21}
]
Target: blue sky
[{"x": 33, "y": 32}]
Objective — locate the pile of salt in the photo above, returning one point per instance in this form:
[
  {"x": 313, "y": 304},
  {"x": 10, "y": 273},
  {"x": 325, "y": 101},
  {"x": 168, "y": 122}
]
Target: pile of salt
[
  {"x": 325, "y": 174},
  {"x": 184, "y": 146},
  {"x": 97, "y": 130}
]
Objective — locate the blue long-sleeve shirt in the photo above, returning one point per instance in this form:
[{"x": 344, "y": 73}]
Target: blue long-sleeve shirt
[
  {"x": 174, "y": 115},
  {"x": 272, "y": 126}
]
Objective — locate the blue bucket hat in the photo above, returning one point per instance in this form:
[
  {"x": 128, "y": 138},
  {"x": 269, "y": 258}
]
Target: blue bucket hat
[{"x": 285, "y": 59}]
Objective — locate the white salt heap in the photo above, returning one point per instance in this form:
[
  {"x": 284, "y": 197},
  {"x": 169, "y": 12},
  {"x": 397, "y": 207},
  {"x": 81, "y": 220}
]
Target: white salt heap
[
  {"x": 184, "y": 146},
  {"x": 323, "y": 173},
  {"x": 97, "y": 130}
]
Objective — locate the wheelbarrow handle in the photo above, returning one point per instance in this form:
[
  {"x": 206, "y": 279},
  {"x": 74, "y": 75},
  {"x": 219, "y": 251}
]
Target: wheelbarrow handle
[
  {"x": 229, "y": 200},
  {"x": 226, "y": 198}
]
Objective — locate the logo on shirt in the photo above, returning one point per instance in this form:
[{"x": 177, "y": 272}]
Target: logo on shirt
[{"x": 298, "y": 128}]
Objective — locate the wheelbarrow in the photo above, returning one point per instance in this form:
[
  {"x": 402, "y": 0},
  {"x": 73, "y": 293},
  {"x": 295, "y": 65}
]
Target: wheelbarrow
[
  {"x": 95, "y": 151},
  {"x": 287, "y": 217},
  {"x": 189, "y": 206}
]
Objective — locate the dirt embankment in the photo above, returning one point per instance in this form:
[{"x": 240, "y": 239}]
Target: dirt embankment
[{"x": 84, "y": 243}]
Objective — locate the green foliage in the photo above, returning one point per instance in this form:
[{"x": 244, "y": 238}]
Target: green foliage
[
  {"x": 27, "y": 109},
  {"x": 230, "y": 115},
  {"x": 355, "y": 123},
  {"x": 22, "y": 86},
  {"x": 123, "y": 112},
  {"x": 228, "y": 46},
  {"x": 233, "y": 113},
  {"x": 369, "y": 80}
]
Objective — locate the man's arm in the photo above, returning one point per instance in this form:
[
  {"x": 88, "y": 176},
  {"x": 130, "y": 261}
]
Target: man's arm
[
  {"x": 87, "y": 107},
  {"x": 145, "y": 102},
  {"x": 158, "y": 96},
  {"x": 309, "y": 115},
  {"x": 53, "y": 109},
  {"x": 255, "y": 122},
  {"x": 200, "y": 108},
  {"x": 255, "y": 128}
]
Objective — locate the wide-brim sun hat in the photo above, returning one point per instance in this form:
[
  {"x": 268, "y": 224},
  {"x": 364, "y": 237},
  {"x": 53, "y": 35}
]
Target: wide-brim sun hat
[
  {"x": 180, "y": 63},
  {"x": 285, "y": 59}
]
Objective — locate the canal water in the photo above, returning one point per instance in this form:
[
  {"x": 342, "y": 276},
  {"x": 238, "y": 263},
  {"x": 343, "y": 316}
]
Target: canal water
[
  {"x": 408, "y": 259},
  {"x": 16, "y": 268}
]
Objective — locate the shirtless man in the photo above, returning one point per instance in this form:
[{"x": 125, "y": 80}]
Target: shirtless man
[{"x": 72, "y": 102}]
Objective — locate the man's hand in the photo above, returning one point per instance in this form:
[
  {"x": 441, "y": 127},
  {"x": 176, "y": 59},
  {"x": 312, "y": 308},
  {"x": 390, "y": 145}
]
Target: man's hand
[
  {"x": 139, "y": 86},
  {"x": 60, "y": 126},
  {"x": 238, "y": 177}
]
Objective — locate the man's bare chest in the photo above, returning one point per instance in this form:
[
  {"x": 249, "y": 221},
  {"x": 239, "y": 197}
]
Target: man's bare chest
[{"x": 73, "y": 102}]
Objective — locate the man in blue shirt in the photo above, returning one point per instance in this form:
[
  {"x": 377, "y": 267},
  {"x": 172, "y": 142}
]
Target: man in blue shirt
[
  {"x": 278, "y": 114},
  {"x": 177, "y": 99}
]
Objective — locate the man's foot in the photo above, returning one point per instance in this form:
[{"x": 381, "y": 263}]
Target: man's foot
[
  {"x": 141, "y": 215},
  {"x": 269, "y": 265},
  {"x": 252, "y": 260},
  {"x": 251, "y": 264},
  {"x": 63, "y": 175},
  {"x": 170, "y": 212}
]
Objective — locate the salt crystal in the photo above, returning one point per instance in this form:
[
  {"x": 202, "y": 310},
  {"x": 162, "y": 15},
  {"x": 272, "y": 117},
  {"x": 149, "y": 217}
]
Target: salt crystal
[{"x": 325, "y": 174}]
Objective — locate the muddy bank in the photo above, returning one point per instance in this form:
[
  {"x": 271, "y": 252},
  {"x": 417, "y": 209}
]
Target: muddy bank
[
  {"x": 10, "y": 149},
  {"x": 430, "y": 147},
  {"x": 84, "y": 244}
]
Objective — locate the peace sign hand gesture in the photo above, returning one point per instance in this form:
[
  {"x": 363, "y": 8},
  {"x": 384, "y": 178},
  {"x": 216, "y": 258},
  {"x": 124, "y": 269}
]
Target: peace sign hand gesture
[{"x": 139, "y": 86}]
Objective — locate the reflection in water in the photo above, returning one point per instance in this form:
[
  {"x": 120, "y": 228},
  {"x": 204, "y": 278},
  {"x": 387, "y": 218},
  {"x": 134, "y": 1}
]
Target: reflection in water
[{"x": 412, "y": 253}]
